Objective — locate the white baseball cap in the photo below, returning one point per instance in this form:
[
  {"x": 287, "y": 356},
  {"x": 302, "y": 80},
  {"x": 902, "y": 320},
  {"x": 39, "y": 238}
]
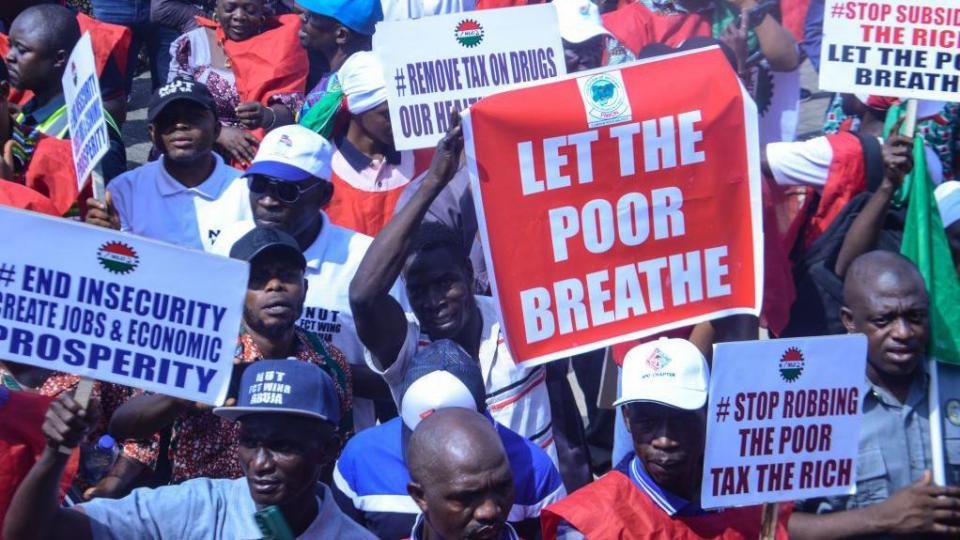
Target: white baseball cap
[
  {"x": 672, "y": 372},
  {"x": 293, "y": 153},
  {"x": 579, "y": 20},
  {"x": 948, "y": 201}
]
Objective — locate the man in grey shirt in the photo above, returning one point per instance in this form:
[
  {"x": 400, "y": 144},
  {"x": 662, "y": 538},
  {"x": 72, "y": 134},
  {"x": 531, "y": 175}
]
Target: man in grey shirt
[
  {"x": 885, "y": 298},
  {"x": 288, "y": 413}
]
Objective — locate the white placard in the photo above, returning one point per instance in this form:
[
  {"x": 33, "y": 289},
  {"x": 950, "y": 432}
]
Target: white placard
[
  {"x": 119, "y": 308},
  {"x": 783, "y": 420},
  {"x": 88, "y": 125},
  {"x": 896, "y": 48},
  {"x": 436, "y": 65}
]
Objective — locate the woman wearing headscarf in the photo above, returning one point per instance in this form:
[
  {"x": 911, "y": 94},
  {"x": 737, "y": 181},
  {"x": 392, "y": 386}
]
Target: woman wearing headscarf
[{"x": 254, "y": 66}]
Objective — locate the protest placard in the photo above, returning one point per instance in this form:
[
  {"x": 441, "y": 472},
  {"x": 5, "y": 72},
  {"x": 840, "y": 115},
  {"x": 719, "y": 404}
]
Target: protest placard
[
  {"x": 115, "y": 307},
  {"x": 88, "y": 126},
  {"x": 611, "y": 208},
  {"x": 436, "y": 65},
  {"x": 783, "y": 420},
  {"x": 897, "y": 48}
]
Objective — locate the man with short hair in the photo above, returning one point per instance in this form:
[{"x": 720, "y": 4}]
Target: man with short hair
[
  {"x": 885, "y": 298},
  {"x": 285, "y": 439},
  {"x": 654, "y": 492},
  {"x": 289, "y": 185},
  {"x": 369, "y": 174},
  {"x": 336, "y": 29},
  {"x": 370, "y": 480},
  {"x": 202, "y": 444},
  {"x": 460, "y": 478},
  {"x": 41, "y": 40},
  {"x": 189, "y": 195},
  {"x": 439, "y": 283}
]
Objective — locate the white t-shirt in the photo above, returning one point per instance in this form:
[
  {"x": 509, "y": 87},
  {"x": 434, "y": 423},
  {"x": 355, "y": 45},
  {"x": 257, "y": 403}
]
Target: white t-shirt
[
  {"x": 153, "y": 204},
  {"x": 807, "y": 163},
  {"x": 401, "y": 10},
  {"x": 516, "y": 394},
  {"x": 332, "y": 261}
]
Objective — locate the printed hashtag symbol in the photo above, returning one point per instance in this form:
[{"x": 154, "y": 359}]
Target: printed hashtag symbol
[
  {"x": 723, "y": 409},
  {"x": 7, "y": 273},
  {"x": 401, "y": 86},
  {"x": 837, "y": 10}
]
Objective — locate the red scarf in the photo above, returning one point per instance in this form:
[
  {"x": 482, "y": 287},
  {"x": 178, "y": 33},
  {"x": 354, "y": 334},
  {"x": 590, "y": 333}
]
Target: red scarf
[{"x": 269, "y": 63}]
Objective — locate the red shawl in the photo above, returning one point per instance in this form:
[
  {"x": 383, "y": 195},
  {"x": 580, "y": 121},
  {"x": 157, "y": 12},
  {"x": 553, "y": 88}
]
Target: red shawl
[{"x": 269, "y": 63}]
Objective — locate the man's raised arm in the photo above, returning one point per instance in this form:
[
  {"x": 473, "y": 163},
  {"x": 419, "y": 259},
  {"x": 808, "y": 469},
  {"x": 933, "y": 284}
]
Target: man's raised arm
[{"x": 380, "y": 321}]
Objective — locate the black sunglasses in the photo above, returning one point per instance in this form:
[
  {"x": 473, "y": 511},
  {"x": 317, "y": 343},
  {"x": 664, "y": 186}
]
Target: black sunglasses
[{"x": 287, "y": 192}]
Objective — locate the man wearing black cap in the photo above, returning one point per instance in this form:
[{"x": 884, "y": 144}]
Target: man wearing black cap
[
  {"x": 188, "y": 195},
  {"x": 371, "y": 478},
  {"x": 203, "y": 445},
  {"x": 287, "y": 413}
]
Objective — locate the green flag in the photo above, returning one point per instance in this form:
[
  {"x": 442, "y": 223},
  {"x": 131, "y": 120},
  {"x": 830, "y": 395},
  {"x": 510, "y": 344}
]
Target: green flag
[{"x": 925, "y": 243}]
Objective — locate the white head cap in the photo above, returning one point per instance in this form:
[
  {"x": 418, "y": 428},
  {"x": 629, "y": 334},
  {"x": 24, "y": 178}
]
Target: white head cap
[
  {"x": 293, "y": 153},
  {"x": 671, "y": 372},
  {"x": 579, "y": 20},
  {"x": 361, "y": 78},
  {"x": 948, "y": 200}
]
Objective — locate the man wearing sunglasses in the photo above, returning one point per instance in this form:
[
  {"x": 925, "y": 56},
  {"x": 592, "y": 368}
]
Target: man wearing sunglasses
[
  {"x": 289, "y": 184},
  {"x": 188, "y": 195}
]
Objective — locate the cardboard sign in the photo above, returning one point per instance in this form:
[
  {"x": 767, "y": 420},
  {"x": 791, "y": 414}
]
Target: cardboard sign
[
  {"x": 88, "y": 126},
  {"x": 436, "y": 65},
  {"x": 783, "y": 420},
  {"x": 612, "y": 208},
  {"x": 116, "y": 307},
  {"x": 897, "y": 48}
]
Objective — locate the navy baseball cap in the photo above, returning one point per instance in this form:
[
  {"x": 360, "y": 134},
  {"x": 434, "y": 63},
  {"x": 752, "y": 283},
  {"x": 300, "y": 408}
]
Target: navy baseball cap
[
  {"x": 285, "y": 387},
  {"x": 179, "y": 89},
  {"x": 262, "y": 239},
  {"x": 361, "y": 16}
]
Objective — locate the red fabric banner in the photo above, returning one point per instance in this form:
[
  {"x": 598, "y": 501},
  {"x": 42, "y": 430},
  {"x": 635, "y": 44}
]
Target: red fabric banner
[{"x": 613, "y": 209}]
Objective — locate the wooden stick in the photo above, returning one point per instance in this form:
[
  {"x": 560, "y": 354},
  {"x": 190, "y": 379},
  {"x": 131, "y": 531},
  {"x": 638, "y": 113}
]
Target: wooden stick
[
  {"x": 99, "y": 185},
  {"x": 768, "y": 524},
  {"x": 910, "y": 122}
]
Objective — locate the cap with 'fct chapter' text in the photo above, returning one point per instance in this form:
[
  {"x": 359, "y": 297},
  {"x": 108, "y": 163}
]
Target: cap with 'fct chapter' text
[{"x": 671, "y": 372}]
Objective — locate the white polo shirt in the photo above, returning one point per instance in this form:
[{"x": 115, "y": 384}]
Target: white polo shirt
[
  {"x": 153, "y": 204},
  {"x": 516, "y": 394},
  {"x": 332, "y": 261}
]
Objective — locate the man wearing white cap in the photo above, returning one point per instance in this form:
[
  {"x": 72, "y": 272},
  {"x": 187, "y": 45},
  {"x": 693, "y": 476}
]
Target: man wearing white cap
[
  {"x": 289, "y": 184},
  {"x": 585, "y": 40},
  {"x": 368, "y": 173},
  {"x": 654, "y": 492}
]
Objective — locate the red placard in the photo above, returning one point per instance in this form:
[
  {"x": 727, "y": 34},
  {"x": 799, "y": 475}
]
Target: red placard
[{"x": 618, "y": 203}]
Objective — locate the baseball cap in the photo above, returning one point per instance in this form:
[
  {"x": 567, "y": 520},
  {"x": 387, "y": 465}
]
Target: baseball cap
[
  {"x": 178, "y": 89},
  {"x": 285, "y": 387},
  {"x": 293, "y": 153},
  {"x": 579, "y": 20},
  {"x": 668, "y": 371},
  {"x": 262, "y": 239},
  {"x": 361, "y": 79},
  {"x": 361, "y": 16},
  {"x": 948, "y": 202},
  {"x": 440, "y": 376}
]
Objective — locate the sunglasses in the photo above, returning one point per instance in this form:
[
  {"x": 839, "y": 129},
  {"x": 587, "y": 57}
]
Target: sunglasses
[{"x": 287, "y": 192}]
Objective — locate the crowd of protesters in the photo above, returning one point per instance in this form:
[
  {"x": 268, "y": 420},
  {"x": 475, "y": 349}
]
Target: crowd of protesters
[{"x": 405, "y": 415}]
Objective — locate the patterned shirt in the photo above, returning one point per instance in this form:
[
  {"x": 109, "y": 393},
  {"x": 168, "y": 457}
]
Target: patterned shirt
[{"x": 203, "y": 444}]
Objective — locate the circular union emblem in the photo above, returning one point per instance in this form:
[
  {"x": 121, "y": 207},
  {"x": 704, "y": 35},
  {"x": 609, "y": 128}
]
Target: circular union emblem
[
  {"x": 606, "y": 96},
  {"x": 118, "y": 257},
  {"x": 469, "y": 33},
  {"x": 791, "y": 364}
]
